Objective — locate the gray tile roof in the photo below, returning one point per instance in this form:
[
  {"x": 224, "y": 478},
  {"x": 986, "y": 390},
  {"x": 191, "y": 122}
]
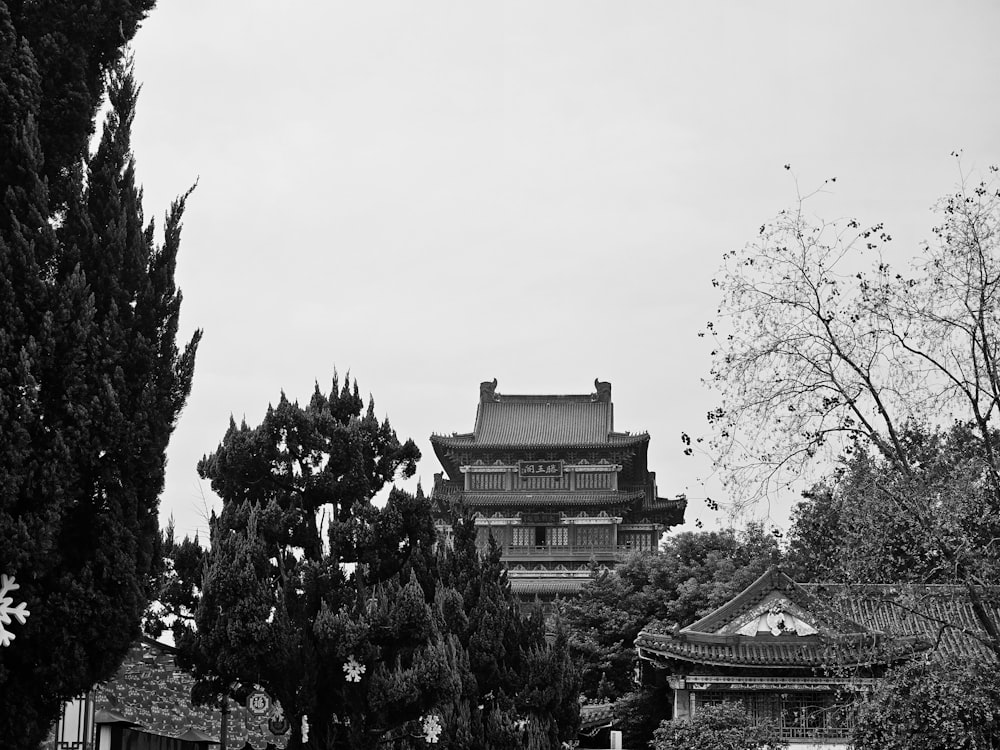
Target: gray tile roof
[
  {"x": 857, "y": 624},
  {"x": 594, "y": 715},
  {"x": 548, "y": 585},
  {"x": 543, "y": 421},
  {"x": 940, "y": 615}
]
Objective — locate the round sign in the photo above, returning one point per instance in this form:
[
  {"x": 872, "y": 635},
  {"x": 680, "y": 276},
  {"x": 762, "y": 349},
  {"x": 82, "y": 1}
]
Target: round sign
[
  {"x": 277, "y": 725},
  {"x": 259, "y": 703}
]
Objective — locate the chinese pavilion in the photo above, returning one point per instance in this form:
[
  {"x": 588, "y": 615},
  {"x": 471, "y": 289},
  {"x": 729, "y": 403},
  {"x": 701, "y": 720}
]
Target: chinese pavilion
[
  {"x": 803, "y": 655},
  {"x": 558, "y": 489}
]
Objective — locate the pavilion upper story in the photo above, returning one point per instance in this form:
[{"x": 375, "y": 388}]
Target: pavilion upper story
[{"x": 555, "y": 485}]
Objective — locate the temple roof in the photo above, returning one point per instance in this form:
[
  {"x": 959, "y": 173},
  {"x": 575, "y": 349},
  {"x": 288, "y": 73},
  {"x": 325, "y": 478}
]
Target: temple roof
[
  {"x": 776, "y": 622},
  {"x": 523, "y": 421},
  {"x": 569, "y": 585},
  {"x": 596, "y": 715},
  {"x": 197, "y": 736},
  {"x": 107, "y": 716},
  {"x": 543, "y": 420}
]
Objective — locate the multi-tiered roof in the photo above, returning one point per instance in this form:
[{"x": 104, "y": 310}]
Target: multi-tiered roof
[
  {"x": 577, "y": 429},
  {"x": 554, "y": 483}
]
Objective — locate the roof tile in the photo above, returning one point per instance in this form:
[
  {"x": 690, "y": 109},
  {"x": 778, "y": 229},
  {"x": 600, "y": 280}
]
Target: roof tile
[
  {"x": 535, "y": 421},
  {"x": 548, "y": 586}
]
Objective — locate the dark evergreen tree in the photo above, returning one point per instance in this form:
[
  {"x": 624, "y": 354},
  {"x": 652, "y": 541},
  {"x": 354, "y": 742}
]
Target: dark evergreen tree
[
  {"x": 351, "y": 615},
  {"x": 73, "y": 46},
  {"x": 524, "y": 687},
  {"x": 178, "y": 584},
  {"x": 308, "y": 590},
  {"x": 91, "y": 380}
]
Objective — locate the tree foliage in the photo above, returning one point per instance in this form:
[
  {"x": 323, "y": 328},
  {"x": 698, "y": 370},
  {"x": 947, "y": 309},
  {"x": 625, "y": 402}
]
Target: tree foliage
[
  {"x": 934, "y": 705},
  {"x": 823, "y": 350},
  {"x": 346, "y": 612},
  {"x": 178, "y": 585},
  {"x": 91, "y": 379},
  {"x": 872, "y": 523},
  {"x": 722, "y": 726},
  {"x": 638, "y": 713},
  {"x": 816, "y": 350}
]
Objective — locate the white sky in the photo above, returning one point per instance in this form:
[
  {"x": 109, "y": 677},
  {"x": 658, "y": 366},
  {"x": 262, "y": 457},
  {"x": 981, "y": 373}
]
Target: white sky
[{"x": 431, "y": 194}]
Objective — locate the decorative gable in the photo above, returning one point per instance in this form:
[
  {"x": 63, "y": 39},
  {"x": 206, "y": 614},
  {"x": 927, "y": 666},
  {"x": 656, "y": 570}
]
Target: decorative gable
[
  {"x": 775, "y": 615},
  {"x": 774, "y": 605}
]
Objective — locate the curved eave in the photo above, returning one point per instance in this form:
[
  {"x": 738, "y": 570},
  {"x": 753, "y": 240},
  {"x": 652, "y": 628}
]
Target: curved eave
[
  {"x": 468, "y": 441},
  {"x": 548, "y": 587},
  {"x": 668, "y": 511},
  {"x": 782, "y": 655},
  {"x": 764, "y": 658}
]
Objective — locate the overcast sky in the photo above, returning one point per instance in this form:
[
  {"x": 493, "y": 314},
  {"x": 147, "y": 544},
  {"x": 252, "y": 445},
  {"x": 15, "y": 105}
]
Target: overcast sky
[{"x": 431, "y": 194}]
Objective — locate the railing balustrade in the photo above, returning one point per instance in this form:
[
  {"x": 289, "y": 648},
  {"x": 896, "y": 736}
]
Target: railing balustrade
[{"x": 565, "y": 551}]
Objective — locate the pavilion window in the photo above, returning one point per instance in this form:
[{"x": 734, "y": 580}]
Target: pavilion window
[
  {"x": 486, "y": 480},
  {"x": 541, "y": 483},
  {"x": 636, "y": 540},
  {"x": 594, "y": 480},
  {"x": 522, "y": 536},
  {"x": 798, "y": 715},
  {"x": 558, "y": 536},
  {"x": 593, "y": 536}
]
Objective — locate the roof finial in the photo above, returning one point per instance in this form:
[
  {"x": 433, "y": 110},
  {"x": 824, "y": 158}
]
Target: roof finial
[
  {"x": 603, "y": 391},
  {"x": 488, "y": 391}
]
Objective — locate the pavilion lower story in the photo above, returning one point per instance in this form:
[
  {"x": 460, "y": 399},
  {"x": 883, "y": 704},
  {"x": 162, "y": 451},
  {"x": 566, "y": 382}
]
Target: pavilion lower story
[{"x": 809, "y": 712}]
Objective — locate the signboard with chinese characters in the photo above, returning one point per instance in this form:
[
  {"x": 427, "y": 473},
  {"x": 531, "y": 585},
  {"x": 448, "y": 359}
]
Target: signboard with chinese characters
[
  {"x": 259, "y": 703},
  {"x": 540, "y": 469}
]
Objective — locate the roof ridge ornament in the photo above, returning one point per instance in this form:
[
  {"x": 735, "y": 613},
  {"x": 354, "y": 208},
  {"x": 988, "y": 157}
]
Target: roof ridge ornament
[
  {"x": 488, "y": 391},
  {"x": 603, "y": 391}
]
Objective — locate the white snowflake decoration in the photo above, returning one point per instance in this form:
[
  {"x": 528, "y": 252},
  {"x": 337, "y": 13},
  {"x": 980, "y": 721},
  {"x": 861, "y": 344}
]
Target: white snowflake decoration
[
  {"x": 305, "y": 728},
  {"x": 354, "y": 669},
  {"x": 7, "y": 608},
  {"x": 432, "y": 728},
  {"x": 521, "y": 724}
]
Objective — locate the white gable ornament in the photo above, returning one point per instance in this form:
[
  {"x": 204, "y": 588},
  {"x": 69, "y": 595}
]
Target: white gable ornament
[{"x": 776, "y": 620}]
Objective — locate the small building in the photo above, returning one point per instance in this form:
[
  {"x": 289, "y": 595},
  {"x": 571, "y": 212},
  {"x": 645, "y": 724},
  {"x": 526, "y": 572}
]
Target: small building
[
  {"x": 803, "y": 655},
  {"x": 559, "y": 489},
  {"x": 147, "y": 706}
]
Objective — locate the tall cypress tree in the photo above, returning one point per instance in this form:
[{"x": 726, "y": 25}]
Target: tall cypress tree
[
  {"x": 520, "y": 689},
  {"x": 91, "y": 379},
  {"x": 352, "y": 615},
  {"x": 308, "y": 591}
]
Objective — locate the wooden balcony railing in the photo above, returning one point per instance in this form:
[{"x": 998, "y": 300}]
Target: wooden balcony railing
[{"x": 580, "y": 552}]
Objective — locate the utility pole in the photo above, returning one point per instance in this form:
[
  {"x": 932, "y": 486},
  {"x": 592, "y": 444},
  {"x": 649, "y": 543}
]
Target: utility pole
[{"x": 225, "y": 722}]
